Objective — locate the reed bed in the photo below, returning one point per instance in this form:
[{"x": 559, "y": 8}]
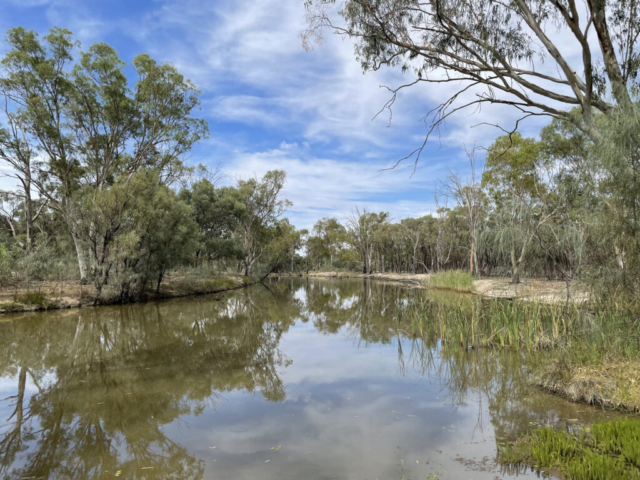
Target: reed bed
[{"x": 586, "y": 353}]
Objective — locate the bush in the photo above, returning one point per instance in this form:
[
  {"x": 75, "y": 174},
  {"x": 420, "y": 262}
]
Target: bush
[{"x": 5, "y": 265}]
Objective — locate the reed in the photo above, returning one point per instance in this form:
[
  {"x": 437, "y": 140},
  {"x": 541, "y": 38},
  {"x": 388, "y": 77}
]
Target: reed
[{"x": 586, "y": 353}]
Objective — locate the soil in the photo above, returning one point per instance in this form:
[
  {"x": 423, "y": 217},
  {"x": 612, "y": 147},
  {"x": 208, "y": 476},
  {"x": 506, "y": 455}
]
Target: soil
[{"x": 533, "y": 289}]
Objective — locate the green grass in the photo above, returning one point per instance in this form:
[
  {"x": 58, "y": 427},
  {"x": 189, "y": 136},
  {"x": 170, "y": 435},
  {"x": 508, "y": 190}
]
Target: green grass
[
  {"x": 585, "y": 353},
  {"x": 454, "y": 279},
  {"x": 608, "y": 450}
]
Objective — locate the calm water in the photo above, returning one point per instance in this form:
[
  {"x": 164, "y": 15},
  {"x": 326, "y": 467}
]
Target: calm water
[{"x": 297, "y": 380}]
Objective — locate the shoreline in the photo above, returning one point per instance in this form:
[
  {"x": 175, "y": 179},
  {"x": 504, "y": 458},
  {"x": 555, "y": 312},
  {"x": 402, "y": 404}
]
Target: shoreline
[
  {"x": 531, "y": 289},
  {"x": 42, "y": 296},
  {"x": 178, "y": 287}
]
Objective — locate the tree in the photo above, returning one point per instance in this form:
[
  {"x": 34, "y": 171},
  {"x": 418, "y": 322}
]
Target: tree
[
  {"x": 263, "y": 205},
  {"x": 413, "y": 229},
  {"x": 284, "y": 246},
  {"x": 363, "y": 226},
  {"x": 217, "y": 212},
  {"x": 133, "y": 232},
  {"x": 19, "y": 155},
  {"x": 495, "y": 50},
  {"x": 86, "y": 123},
  {"x": 467, "y": 192},
  {"x": 514, "y": 179},
  {"x": 332, "y": 234}
]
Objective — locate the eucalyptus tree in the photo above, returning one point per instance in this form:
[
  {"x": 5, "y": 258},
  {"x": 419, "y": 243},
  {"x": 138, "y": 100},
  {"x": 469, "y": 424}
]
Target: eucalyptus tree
[
  {"x": 284, "y": 247},
  {"x": 263, "y": 204},
  {"x": 414, "y": 232},
  {"x": 467, "y": 193},
  {"x": 522, "y": 196},
  {"x": 363, "y": 227},
  {"x": 17, "y": 154},
  {"x": 90, "y": 129},
  {"x": 498, "y": 53},
  {"x": 332, "y": 233},
  {"x": 217, "y": 212}
]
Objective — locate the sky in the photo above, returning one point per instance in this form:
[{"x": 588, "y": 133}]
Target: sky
[{"x": 272, "y": 105}]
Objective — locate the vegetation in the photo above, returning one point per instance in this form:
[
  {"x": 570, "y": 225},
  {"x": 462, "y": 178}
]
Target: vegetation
[
  {"x": 102, "y": 194},
  {"x": 587, "y": 354},
  {"x": 605, "y": 450},
  {"x": 452, "y": 279}
]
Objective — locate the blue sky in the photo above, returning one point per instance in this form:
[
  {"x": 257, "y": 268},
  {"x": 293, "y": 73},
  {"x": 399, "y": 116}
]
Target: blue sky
[{"x": 271, "y": 104}]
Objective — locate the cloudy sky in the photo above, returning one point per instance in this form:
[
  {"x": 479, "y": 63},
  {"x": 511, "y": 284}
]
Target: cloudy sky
[{"x": 271, "y": 104}]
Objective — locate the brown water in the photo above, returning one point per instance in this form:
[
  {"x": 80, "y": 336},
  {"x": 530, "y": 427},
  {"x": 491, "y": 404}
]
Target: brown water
[{"x": 296, "y": 380}]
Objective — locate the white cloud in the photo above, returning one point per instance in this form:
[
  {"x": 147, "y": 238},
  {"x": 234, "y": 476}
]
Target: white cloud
[{"x": 326, "y": 187}]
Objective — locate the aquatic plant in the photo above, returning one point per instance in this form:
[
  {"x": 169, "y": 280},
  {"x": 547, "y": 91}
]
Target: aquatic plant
[
  {"x": 586, "y": 353},
  {"x": 608, "y": 450}
]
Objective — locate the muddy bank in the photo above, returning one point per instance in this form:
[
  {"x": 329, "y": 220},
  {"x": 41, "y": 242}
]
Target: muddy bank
[{"x": 72, "y": 294}]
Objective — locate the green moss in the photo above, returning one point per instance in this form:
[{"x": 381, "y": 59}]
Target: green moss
[
  {"x": 453, "y": 279},
  {"x": 609, "y": 450}
]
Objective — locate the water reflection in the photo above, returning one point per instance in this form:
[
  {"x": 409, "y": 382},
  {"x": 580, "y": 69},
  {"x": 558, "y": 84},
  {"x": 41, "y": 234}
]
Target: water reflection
[{"x": 295, "y": 379}]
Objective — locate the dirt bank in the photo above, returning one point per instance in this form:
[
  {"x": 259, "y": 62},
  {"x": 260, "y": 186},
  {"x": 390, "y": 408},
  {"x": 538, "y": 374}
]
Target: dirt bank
[
  {"x": 416, "y": 279},
  {"x": 71, "y": 294},
  {"x": 534, "y": 289}
]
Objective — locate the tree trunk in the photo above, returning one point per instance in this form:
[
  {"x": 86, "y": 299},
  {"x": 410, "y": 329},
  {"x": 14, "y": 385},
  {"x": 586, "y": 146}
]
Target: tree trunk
[
  {"x": 471, "y": 255},
  {"x": 82, "y": 264},
  {"x": 28, "y": 214},
  {"x": 515, "y": 275}
]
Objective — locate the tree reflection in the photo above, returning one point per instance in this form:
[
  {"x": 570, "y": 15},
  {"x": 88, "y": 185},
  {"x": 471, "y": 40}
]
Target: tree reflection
[
  {"x": 96, "y": 388},
  {"x": 108, "y": 379}
]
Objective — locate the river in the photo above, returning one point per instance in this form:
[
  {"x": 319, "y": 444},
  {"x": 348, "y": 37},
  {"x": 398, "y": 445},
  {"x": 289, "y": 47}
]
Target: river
[{"x": 295, "y": 379}]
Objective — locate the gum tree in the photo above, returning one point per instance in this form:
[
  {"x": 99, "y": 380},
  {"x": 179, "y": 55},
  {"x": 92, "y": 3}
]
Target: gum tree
[
  {"x": 90, "y": 127},
  {"x": 497, "y": 53}
]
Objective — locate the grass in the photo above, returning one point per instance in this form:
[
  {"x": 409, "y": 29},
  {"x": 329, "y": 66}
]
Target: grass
[
  {"x": 459, "y": 280},
  {"x": 606, "y": 450},
  {"x": 586, "y": 354},
  {"x": 32, "y": 298}
]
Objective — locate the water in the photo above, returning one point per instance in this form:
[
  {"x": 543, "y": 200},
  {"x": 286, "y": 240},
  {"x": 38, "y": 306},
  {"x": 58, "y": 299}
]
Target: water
[{"x": 299, "y": 379}]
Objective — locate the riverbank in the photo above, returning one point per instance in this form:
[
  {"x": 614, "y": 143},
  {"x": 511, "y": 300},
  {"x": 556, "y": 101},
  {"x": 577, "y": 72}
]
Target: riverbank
[
  {"x": 23, "y": 297},
  {"x": 534, "y": 289},
  {"x": 583, "y": 353}
]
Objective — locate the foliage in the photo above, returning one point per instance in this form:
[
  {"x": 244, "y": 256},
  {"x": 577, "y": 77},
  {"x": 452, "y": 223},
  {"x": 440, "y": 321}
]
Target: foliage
[
  {"x": 263, "y": 205},
  {"x": 5, "y": 265}
]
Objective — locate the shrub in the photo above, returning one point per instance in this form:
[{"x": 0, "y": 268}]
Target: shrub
[{"x": 5, "y": 265}]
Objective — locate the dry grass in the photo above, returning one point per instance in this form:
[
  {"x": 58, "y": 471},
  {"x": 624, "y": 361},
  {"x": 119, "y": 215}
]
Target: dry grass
[
  {"x": 611, "y": 385},
  {"x": 538, "y": 289}
]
